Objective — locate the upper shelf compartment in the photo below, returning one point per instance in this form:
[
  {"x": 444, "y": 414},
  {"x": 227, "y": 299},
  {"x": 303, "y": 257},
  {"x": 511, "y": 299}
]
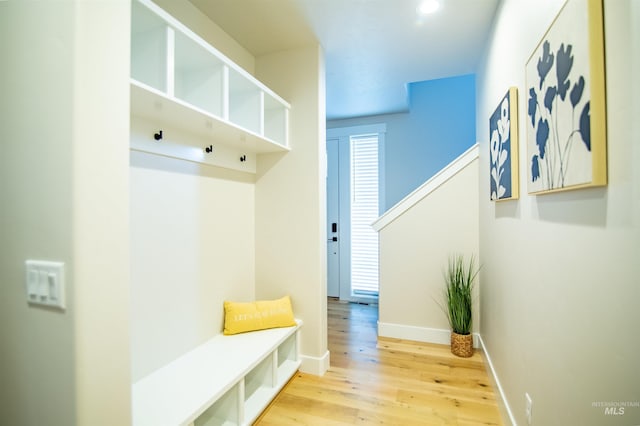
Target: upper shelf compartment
[{"x": 178, "y": 79}]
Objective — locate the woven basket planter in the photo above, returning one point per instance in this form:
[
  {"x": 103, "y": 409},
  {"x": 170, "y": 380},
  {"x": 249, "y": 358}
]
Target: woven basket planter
[{"x": 462, "y": 344}]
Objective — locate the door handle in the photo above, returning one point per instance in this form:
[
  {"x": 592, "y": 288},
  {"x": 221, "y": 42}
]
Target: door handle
[{"x": 333, "y": 239}]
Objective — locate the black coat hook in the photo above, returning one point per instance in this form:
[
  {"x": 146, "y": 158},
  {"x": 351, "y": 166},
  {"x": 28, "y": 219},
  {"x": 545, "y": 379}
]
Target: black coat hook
[
  {"x": 243, "y": 158},
  {"x": 158, "y": 136},
  {"x": 208, "y": 149}
]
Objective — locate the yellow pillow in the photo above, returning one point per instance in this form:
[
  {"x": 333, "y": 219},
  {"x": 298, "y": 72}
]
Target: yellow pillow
[{"x": 243, "y": 317}]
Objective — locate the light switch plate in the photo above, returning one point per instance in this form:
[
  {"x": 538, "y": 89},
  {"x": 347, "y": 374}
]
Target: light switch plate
[{"x": 44, "y": 283}]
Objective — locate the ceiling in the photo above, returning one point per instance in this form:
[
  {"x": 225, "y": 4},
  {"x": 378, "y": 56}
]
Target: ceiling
[{"x": 373, "y": 48}]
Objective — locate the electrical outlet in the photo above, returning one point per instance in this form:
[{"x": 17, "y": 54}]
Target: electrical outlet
[{"x": 528, "y": 407}]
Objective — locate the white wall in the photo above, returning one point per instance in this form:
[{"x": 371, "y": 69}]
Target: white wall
[
  {"x": 291, "y": 200},
  {"x": 33, "y": 164},
  {"x": 414, "y": 252},
  {"x": 560, "y": 272},
  {"x": 192, "y": 247},
  {"x": 65, "y": 197},
  {"x": 101, "y": 212}
]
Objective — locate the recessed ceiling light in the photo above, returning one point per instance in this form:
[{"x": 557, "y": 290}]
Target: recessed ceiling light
[{"x": 428, "y": 6}]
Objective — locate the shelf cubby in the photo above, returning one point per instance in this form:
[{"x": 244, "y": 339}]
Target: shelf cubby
[
  {"x": 199, "y": 76},
  {"x": 287, "y": 359},
  {"x": 224, "y": 412},
  {"x": 149, "y": 35},
  {"x": 258, "y": 387},
  {"x": 276, "y": 120},
  {"x": 245, "y": 102}
]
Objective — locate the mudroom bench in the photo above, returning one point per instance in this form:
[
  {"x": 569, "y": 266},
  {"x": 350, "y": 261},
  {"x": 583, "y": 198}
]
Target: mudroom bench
[{"x": 228, "y": 380}]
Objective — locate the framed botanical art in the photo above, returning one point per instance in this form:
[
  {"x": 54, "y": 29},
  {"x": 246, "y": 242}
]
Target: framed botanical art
[
  {"x": 566, "y": 117},
  {"x": 503, "y": 148}
]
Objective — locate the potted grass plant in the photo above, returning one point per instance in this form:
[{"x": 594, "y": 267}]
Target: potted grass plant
[{"x": 459, "y": 281}]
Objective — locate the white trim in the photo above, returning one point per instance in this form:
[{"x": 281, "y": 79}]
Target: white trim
[
  {"x": 344, "y": 215},
  {"x": 315, "y": 365},
  {"x": 503, "y": 398},
  {"x": 382, "y": 174},
  {"x": 171, "y": 63},
  {"x": 339, "y": 132},
  {"x": 419, "y": 334},
  {"x": 429, "y": 186},
  {"x": 361, "y": 298}
]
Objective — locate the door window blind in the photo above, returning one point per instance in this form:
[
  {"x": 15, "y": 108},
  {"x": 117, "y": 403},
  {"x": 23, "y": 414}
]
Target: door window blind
[{"x": 364, "y": 211}]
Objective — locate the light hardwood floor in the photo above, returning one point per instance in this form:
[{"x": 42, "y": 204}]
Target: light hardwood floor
[{"x": 390, "y": 382}]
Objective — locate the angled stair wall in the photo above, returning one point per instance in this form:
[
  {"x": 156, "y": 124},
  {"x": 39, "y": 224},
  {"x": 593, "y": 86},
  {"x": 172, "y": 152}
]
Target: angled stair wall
[{"x": 417, "y": 236}]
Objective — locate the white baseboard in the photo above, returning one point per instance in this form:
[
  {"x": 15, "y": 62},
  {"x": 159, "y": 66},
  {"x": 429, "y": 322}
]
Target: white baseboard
[
  {"x": 502, "y": 403},
  {"x": 315, "y": 365},
  {"x": 419, "y": 334}
]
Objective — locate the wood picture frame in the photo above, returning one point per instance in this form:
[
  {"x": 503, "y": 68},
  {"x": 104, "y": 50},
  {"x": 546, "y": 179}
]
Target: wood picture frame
[
  {"x": 566, "y": 106},
  {"x": 503, "y": 149}
]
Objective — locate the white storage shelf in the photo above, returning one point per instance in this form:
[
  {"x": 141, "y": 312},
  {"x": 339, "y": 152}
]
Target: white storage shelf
[
  {"x": 180, "y": 81},
  {"x": 228, "y": 380}
]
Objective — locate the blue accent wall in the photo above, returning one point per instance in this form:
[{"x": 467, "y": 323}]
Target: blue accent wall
[{"x": 440, "y": 125}]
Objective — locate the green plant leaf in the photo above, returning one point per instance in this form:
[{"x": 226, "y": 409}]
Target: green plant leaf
[{"x": 458, "y": 293}]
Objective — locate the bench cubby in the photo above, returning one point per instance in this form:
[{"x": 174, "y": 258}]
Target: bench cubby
[{"x": 228, "y": 380}]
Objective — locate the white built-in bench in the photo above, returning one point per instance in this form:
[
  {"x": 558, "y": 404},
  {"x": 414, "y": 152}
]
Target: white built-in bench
[{"x": 228, "y": 380}]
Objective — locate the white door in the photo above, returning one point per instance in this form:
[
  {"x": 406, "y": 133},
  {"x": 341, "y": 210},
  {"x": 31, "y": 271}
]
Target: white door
[{"x": 352, "y": 245}]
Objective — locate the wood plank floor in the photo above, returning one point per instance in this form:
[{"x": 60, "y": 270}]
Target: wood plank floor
[{"x": 390, "y": 382}]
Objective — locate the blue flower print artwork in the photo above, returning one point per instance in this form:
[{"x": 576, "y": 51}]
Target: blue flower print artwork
[
  {"x": 556, "y": 134},
  {"x": 503, "y": 149},
  {"x": 559, "y": 151}
]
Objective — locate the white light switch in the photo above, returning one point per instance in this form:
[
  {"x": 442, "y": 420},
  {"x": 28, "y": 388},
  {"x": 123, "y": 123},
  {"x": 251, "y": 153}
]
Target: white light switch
[
  {"x": 32, "y": 283},
  {"x": 44, "y": 283}
]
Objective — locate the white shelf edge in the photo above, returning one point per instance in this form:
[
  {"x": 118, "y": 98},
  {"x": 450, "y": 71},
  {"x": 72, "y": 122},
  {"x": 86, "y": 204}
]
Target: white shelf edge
[
  {"x": 218, "y": 420},
  {"x": 184, "y": 157},
  {"x": 287, "y": 368},
  {"x": 253, "y": 142}
]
